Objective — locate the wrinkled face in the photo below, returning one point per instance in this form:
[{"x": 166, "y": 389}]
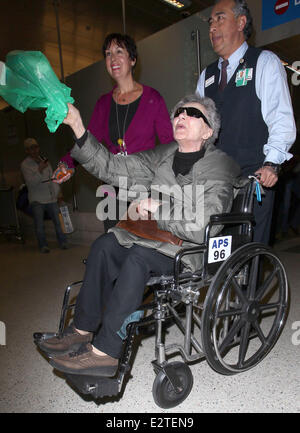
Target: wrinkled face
[
  {"x": 190, "y": 132},
  {"x": 118, "y": 62},
  {"x": 34, "y": 151},
  {"x": 225, "y": 30}
]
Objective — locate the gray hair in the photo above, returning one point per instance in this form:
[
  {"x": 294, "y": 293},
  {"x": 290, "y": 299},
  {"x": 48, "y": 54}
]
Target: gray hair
[
  {"x": 241, "y": 8},
  {"x": 211, "y": 113}
]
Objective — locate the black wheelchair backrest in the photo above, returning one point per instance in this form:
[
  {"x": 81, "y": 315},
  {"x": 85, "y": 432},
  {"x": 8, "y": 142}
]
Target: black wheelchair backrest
[{"x": 237, "y": 225}]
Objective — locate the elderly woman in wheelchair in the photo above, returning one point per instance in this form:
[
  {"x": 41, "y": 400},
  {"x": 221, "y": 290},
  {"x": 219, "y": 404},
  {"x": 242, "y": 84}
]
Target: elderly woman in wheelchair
[{"x": 182, "y": 195}]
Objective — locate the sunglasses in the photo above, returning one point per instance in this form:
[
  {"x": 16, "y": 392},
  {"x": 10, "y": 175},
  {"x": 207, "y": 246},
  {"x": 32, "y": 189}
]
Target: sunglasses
[{"x": 191, "y": 112}]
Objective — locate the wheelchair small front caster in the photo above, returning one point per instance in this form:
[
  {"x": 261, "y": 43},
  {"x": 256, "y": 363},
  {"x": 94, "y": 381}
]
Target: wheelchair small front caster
[{"x": 164, "y": 393}]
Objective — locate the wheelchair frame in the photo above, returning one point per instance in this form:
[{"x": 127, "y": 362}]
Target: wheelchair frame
[{"x": 231, "y": 317}]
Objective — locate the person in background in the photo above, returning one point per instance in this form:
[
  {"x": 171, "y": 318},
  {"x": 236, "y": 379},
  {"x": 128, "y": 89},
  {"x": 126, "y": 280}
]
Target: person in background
[
  {"x": 249, "y": 87},
  {"x": 132, "y": 115},
  {"x": 42, "y": 194}
]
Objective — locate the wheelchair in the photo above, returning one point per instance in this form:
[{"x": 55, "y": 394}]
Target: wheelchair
[{"x": 231, "y": 312}]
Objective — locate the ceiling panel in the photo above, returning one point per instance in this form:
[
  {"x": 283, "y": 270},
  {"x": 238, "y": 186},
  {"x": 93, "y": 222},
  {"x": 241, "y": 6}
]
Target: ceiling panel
[{"x": 31, "y": 25}]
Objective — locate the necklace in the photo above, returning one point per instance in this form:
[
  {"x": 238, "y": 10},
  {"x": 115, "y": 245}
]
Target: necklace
[{"x": 121, "y": 141}]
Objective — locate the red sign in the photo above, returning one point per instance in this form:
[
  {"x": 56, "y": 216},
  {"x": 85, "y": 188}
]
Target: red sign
[{"x": 281, "y": 6}]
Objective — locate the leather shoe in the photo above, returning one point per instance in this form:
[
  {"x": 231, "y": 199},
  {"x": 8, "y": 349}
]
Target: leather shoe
[
  {"x": 70, "y": 341},
  {"x": 86, "y": 362}
]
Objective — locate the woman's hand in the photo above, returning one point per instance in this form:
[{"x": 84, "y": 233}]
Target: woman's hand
[
  {"x": 147, "y": 205},
  {"x": 73, "y": 119},
  {"x": 140, "y": 210},
  {"x": 62, "y": 173}
]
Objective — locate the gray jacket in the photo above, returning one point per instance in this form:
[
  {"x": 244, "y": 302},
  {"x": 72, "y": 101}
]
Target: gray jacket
[
  {"x": 206, "y": 190},
  {"x": 38, "y": 191}
]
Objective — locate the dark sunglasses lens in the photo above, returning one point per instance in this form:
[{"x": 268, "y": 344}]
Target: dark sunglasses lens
[
  {"x": 191, "y": 112},
  {"x": 178, "y": 111}
]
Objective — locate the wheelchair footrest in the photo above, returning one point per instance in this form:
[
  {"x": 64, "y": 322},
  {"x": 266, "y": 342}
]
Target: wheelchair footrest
[
  {"x": 41, "y": 336},
  {"x": 93, "y": 385}
]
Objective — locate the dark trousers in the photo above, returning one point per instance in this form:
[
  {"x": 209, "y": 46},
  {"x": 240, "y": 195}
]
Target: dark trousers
[
  {"x": 52, "y": 210},
  {"x": 113, "y": 287},
  {"x": 263, "y": 216}
]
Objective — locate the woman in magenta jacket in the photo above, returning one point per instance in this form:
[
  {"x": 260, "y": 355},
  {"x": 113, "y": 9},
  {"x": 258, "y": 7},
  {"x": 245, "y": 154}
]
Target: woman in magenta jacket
[
  {"x": 130, "y": 117},
  {"x": 150, "y": 120},
  {"x": 132, "y": 112}
]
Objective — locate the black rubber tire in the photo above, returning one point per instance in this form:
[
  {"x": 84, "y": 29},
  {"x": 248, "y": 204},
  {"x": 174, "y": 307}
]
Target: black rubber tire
[{"x": 163, "y": 393}]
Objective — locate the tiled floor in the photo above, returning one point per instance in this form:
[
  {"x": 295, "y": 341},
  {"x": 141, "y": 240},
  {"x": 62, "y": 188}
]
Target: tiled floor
[{"x": 31, "y": 293}]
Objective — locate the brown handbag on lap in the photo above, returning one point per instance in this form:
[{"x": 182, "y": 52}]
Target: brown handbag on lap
[{"x": 148, "y": 229}]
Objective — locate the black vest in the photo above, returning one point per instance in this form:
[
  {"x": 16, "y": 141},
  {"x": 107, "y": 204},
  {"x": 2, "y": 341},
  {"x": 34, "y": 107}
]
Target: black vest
[{"x": 243, "y": 130}]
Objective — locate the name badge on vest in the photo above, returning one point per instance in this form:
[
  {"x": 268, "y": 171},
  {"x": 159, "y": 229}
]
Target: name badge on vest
[
  {"x": 210, "y": 81},
  {"x": 243, "y": 76}
]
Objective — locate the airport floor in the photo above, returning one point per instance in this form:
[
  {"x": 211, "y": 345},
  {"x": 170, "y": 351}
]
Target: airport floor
[{"x": 31, "y": 294}]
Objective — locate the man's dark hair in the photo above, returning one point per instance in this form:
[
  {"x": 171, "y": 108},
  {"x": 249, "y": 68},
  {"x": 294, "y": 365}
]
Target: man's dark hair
[
  {"x": 241, "y": 8},
  {"x": 123, "y": 41}
]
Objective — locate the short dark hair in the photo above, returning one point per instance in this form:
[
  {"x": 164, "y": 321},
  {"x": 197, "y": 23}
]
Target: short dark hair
[
  {"x": 124, "y": 41},
  {"x": 241, "y": 8}
]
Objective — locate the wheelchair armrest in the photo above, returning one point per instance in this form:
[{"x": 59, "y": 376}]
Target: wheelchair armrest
[
  {"x": 218, "y": 219},
  {"x": 231, "y": 218},
  {"x": 201, "y": 248}
]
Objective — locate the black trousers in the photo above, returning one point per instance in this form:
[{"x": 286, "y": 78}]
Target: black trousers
[
  {"x": 263, "y": 216},
  {"x": 113, "y": 287}
]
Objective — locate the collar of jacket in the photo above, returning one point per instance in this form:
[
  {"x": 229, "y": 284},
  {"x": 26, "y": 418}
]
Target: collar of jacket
[{"x": 215, "y": 164}]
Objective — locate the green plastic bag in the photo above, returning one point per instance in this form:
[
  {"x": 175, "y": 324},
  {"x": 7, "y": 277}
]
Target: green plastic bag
[{"x": 28, "y": 81}]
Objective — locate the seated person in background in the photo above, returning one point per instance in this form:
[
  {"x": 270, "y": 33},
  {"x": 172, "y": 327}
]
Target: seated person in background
[
  {"x": 41, "y": 195},
  {"x": 132, "y": 115},
  {"x": 192, "y": 176}
]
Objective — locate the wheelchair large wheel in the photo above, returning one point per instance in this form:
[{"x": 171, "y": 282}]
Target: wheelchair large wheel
[
  {"x": 163, "y": 392},
  {"x": 244, "y": 310}
]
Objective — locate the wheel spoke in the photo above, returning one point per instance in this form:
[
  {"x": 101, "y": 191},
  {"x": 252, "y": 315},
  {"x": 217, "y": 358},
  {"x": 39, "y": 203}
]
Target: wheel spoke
[
  {"x": 265, "y": 285},
  {"x": 253, "y": 278},
  {"x": 270, "y": 306},
  {"x": 244, "y": 343},
  {"x": 228, "y": 313},
  {"x": 238, "y": 290},
  {"x": 259, "y": 332},
  {"x": 229, "y": 337}
]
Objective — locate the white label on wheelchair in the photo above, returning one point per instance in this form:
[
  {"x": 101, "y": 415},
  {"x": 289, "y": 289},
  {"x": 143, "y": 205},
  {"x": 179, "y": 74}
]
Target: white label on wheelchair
[{"x": 219, "y": 249}]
